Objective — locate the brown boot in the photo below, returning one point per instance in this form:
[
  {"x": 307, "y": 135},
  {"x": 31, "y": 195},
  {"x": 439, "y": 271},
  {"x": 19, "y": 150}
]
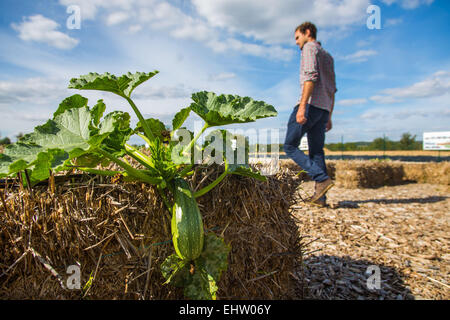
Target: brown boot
[
  {"x": 321, "y": 188},
  {"x": 319, "y": 203}
]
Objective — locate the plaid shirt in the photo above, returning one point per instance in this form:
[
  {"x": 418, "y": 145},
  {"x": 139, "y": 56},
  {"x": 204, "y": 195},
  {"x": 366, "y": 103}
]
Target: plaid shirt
[{"x": 317, "y": 66}]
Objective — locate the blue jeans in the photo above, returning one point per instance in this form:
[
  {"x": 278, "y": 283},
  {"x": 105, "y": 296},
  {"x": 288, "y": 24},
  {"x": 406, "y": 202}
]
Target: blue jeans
[{"x": 314, "y": 163}]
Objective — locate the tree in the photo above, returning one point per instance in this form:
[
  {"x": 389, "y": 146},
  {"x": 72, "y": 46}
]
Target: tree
[
  {"x": 5, "y": 141},
  {"x": 377, "y": 144},
  {"x": 407, "y": 142}
]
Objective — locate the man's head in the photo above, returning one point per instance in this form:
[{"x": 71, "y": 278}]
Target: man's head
[{"x": 304, "y": 33}]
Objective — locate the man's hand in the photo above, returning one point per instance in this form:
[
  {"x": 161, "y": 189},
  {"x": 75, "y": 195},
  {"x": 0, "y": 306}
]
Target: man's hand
[
  {"x": 301, "y": 119},
  {"x": 329, "y": 125}
]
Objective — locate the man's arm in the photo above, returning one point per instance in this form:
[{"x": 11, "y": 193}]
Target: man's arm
[
  {"x": 329, "y": 124},
  {"x": 308, "y": 87}
]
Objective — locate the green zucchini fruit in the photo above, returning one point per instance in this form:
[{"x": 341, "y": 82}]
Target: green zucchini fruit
[{"x": 187, "y": 225}]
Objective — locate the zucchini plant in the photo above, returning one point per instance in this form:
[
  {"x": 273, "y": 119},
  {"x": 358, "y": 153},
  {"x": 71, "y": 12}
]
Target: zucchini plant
[{"x": 83, "y": 137}]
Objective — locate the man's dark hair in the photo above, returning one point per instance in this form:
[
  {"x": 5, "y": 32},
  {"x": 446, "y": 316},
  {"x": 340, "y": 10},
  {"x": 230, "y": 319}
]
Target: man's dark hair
[{"x": 308, "y": 26}]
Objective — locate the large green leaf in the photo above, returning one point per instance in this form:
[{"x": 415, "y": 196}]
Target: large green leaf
[
  {"x": 75, "y": 101},
  {"x": 68, "y": 131},
  {"x": 202, "y": 286},
  {"x": 180, "y": 117},
  {"x": 69, "y": 135},
  {"x": 97, "y": 112},
  {"x": 53, "y": 159},
  {"x": 157, "y": 127},
  {"x": 123, "y": 85},
  {"x": 92, "y": 160},
  {"x": 116, "y": 125},
  {"x": 175, "y": 271},
  {"x": 17, "y": 156},
  {"x": 227, "y": 109}
]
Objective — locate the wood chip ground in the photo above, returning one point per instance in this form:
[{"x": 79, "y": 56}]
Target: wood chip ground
[{"x": 402, "y": 230}]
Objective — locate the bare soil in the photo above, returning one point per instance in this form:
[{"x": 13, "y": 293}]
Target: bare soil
[{"x": 402, "y": 230}]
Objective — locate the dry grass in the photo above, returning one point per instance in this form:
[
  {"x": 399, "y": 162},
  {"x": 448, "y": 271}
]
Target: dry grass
[{"x": 120, "y": 234}]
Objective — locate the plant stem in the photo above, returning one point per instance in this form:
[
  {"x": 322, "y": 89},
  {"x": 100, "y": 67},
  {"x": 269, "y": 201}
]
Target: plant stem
[
  {"x": 101, "y": 172},
  {"x": 139, "y": 156},
  {"x": 213, "y": 184},
  {"x": 185, "y": 171},
  {"x": 145, "y": 126},
  {"x": 189, "y": 146},
  {"x": 130, "y": 170},
  {"x": 145, "y": 138}
]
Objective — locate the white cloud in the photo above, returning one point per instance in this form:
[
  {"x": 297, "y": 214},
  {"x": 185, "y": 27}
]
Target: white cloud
[
  {"x": 437, "y": 85},
  {"x": 90, "y": 8},
  {"x": 392, "y": 122},
  {"x": 165, "y": 17},
  {"x": 359, "y": 56},
  {"x": 373, "y": 114},
  {"x": 409, "y": 4},
  {"x": 351, "y": 102},
  {"x": 41, "y": 29},
  {"x": 384, "y": 99},
  {"x": 32, "y": 90},
  {"x": 164, "y": 92},
  {"x": 117, "y": 18},
  {"x": 134, "y": 28},
  {"x": 222, "y": 76},
  {"x": 402, "y": 110},
  {"x": 272, "y": 52},
  {"x": 275, "y": 24},
  {"x": 231, "y": 25},
  {"x": 393, "y": 22}
]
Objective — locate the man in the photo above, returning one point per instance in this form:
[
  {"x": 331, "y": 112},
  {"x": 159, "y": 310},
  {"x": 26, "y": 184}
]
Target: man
[{"x": 312, "y": 114}]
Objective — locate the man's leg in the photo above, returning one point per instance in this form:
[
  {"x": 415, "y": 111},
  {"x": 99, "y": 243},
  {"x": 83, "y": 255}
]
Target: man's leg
[
  {"x": 295, "y": 131},
  {"x": 316, "y": 141}
]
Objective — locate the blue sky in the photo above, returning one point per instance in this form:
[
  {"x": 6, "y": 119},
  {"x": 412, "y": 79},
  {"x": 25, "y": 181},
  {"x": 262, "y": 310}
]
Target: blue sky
[{"x": 390, "y": 80}]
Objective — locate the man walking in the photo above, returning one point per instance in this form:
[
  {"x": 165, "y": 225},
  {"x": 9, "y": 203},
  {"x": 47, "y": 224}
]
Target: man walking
[{"x": 312, "y": 114}]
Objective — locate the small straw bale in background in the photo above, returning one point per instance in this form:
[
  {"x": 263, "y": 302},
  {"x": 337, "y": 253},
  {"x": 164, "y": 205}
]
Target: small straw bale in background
[
  {"x": 372, "y": 174},
  {"x": 368, "y": 174},
  {"x": 430, "y": 172}
]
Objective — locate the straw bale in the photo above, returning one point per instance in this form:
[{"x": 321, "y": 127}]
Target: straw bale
[
  {"x": 368, "y": 174},
  {"x": 373, "y": 174},
  {"x": 430, "y": 172},
  {"x": 119, "y": 234}
]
